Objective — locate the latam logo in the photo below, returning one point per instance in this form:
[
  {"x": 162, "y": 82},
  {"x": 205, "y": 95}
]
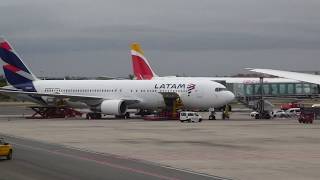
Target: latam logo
[
  {"x": 190, "y": 88},
  {"x": 170, "y": 86}
]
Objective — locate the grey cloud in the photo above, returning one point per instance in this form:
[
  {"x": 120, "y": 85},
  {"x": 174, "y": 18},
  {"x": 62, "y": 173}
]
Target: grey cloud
[
  {"x": 170, "y": 42},
  {"x": 175, "y": 32}
]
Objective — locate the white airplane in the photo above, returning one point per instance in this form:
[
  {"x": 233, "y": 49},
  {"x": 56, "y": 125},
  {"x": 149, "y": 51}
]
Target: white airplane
[
  {"x": 143, "y": 71},
  {"x": 108, "y": 96},
  {"x": 310, "y": 78}
]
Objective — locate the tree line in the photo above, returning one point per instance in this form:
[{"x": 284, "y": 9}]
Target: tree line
[{"x": 4, "y": 83}]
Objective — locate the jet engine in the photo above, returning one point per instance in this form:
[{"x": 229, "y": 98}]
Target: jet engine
[{"x": 114, "y": 107}]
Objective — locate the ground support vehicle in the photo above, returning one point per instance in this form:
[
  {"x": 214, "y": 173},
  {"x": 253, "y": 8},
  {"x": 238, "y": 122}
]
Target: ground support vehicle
[
  {"x": 5, "y": 149},
  {"x": 189, "y": 116},
  {"x": 308, "y": 115}
]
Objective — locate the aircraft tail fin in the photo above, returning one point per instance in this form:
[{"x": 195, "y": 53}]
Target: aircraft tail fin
[
  {"x": 141, "y": 67},
  {"x": 16, "y": 72}
]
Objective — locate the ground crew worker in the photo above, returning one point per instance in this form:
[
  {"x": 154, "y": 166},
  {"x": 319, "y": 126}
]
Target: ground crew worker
[{"x": 226, "y": 112}]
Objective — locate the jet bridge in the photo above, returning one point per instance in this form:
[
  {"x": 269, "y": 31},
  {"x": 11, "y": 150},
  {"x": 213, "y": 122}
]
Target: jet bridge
[
  {"x": 259, "y": 104},
  {"x": 255, "y": 95}
]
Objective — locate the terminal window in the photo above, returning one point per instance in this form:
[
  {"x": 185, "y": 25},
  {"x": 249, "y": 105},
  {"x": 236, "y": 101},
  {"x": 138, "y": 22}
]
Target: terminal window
[
  {"x": 274, "y": 89},
  {"x": 298, "y": 88},
  {"x": 291, "y": 89},
  {"x": 282, "y": 88}
]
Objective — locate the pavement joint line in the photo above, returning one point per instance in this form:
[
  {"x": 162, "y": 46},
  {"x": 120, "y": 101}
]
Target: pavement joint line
[{"x": 115, "y": 156}]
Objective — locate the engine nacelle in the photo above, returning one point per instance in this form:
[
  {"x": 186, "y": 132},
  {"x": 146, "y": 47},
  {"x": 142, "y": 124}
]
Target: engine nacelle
[{"x": 114, "y": 107}]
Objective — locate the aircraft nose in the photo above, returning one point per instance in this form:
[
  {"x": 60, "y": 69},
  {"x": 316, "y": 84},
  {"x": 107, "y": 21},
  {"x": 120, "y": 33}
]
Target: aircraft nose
[{"x": 229, "y": 96}]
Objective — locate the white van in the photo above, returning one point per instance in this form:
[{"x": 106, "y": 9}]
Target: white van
[
  {"x": 316, "y": 106},
  {"x": 189, "y": 116},
  {"x": 293, "y": 112}
]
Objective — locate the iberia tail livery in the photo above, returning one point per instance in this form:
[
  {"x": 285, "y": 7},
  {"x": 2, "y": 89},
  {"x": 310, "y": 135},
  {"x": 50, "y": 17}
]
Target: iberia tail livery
[{"x": 141, "y": 66}]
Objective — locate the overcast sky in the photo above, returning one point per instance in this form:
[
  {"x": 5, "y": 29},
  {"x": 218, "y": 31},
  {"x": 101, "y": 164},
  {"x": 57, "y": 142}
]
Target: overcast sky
[{"x": 192, "y": 37}]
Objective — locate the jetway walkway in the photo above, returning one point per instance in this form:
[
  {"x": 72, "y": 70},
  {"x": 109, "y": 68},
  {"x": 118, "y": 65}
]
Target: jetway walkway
[
  {"x": 257, "y": 95},
  {"x": 257, "y": 101}
]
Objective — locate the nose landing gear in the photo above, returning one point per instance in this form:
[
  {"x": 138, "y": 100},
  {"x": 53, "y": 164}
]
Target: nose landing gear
[{"x": 212, "y": 114}]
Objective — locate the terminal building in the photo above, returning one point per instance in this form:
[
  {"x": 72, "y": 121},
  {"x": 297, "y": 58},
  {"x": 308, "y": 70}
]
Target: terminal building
[
  {"x": 251, "y": 91},
  {"x": 272, "y": 87},
  {"x": 284, "y": 89}
]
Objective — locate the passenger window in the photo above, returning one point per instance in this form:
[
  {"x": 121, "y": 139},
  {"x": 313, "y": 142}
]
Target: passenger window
[
  {"x": 183, "y": 114},
  {"x": 190, "y": 114}
]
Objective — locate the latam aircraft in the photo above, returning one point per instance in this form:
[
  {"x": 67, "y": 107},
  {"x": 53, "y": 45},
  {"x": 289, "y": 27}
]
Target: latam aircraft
[
  {"x": 108, "y": 96},
  {"x": 143, "y": 70}
]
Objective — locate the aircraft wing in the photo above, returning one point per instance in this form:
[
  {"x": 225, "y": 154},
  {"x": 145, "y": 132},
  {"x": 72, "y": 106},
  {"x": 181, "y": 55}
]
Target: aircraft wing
[
  {"x": 310, "y": 78},
  {"x": 81, "y": 98}
]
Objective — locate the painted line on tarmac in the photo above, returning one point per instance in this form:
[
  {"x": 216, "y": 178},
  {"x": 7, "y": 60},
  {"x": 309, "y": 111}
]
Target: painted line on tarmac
[{"x": 196, "y": 173}]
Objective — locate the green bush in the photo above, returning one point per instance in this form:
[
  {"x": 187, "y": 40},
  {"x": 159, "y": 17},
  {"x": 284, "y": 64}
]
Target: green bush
[
  {"x": 3, "y": 82},
  {"x": 3, "y": 97}
]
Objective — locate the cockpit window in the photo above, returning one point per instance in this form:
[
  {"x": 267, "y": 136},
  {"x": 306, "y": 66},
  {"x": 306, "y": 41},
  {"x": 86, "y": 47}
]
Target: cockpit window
[{"x": 220, "y": 89}]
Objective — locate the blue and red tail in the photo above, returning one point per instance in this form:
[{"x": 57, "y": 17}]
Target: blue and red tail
[{"x": 16, "y": 72}]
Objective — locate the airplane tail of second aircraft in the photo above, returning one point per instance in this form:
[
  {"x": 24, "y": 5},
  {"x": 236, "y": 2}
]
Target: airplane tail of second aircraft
[
  {"x": 141, "y": 67},
  {"x": 16, "y": 72}
]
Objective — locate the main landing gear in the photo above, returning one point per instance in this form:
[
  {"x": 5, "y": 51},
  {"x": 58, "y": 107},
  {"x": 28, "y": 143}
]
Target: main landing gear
[{"x": 93, "y": 116}]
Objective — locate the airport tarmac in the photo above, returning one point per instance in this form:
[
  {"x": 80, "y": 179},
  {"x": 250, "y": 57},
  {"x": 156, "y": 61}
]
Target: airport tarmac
[
  {"x": 15, "y": 109},
  {"x": 37, "y": 161},
  {"x": 240, "y": 148}
]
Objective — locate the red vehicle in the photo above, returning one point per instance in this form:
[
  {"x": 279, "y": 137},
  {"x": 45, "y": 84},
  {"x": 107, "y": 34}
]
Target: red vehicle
[
  {"x": 287, "y": 106},
  {"x": 307, "y": 116}
]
